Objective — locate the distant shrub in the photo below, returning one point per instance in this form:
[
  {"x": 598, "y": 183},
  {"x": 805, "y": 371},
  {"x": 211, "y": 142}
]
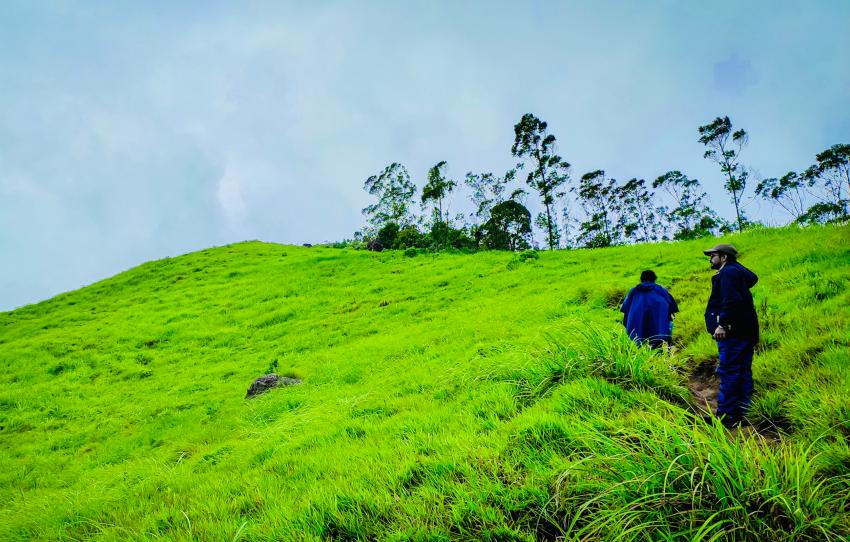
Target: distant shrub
[
  {"x": 442, "y": 236},
  {"x": 462, "y": 240},
  {"x": 528, "y": 255},
  {"x": 613, "y": 297},
  {"x": 345, "y": 243},
  {"x": 374, "y": 245},
  {"x": 387, "y": 235},
  {"x": 410, "y": 237},
  {"x": 411, "y": 252},
  {"x": 57, "y": 369}
]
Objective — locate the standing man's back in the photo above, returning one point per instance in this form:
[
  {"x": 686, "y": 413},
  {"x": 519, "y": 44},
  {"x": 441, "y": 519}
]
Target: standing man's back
[
  {"x": 648, "y": 312},
  {"x": 730, "y": 317}
]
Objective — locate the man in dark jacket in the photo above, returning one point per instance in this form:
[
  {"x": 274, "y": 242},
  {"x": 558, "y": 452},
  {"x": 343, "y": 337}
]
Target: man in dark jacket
[
  {"x": 648, "y": 312},
  {"x": 730, "y": 317}
]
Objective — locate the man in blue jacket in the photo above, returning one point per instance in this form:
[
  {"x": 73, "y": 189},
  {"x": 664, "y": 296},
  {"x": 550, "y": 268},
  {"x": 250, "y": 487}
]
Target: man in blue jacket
[
  {"x": 648, "y": 312},
  {"x": 730, "y": 317}
]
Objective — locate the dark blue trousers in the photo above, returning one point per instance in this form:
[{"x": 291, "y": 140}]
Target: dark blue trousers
[{"x": 735, "y": 370}]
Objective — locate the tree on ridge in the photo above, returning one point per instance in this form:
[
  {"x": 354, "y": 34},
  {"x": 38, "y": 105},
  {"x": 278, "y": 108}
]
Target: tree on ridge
[
  {"x": 639, "y": 220},
  {"x": 688, "y": 214},
  {"x": 508, "y": 227},
  {"x": 548, "y": 172},
  {"x": 787, "y": 191},
  {"x": 437, "y": 189},
  {"x": 826, "y": 181},
  {"x": 597, "y": 196},
  {"x": 394, "y": 191},
  {"x": 724, "y": 148}
]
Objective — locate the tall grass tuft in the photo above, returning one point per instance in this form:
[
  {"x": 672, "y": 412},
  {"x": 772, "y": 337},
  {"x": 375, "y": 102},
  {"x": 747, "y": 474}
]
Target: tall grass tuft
[
  {"x": 676, "y": 480},
  {"x": 593, "y": 350}
]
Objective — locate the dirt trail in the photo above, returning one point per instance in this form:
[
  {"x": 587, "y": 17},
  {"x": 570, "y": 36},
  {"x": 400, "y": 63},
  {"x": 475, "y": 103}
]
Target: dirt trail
[{"x": 703, "y": 385}]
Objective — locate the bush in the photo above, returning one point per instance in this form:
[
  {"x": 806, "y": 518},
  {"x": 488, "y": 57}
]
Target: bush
[
  {"x": 409, "y": 237},
  {"x": 460, "y": 239},
  {"x": 440, "y": 235},
  {"x": 388, "y": 235},
  {"x": 528, "y": 255}
]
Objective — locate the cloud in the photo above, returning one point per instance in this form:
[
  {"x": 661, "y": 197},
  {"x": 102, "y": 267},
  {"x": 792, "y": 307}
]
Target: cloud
[
  {"x": 734, "y": 75},
  {"x": 231, "y": 199},
  {"x": 132, "y": 135}
]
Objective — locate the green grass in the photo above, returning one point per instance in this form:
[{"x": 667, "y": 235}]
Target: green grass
[{"x": 485, "y": 396}]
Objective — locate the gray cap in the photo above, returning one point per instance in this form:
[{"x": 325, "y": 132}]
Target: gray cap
[{"x": 722, "y": 249}]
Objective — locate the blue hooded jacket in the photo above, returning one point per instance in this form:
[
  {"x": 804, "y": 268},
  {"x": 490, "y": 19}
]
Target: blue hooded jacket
[
  {"x": 731, "y": 303},
  {"x": 647, "y": 313}
]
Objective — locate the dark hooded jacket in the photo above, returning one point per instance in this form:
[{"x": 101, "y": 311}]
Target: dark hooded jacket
[
  {"x": 647, "y": 312},
  {"x": 731, "y": 303}
]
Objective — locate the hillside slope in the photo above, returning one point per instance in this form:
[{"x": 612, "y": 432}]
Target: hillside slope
[{"x": 444, "y": 397}]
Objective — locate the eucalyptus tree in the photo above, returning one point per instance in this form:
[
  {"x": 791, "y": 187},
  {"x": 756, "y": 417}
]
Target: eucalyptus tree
[
  {"x": 688, "y": 214},
  {"x": 639, "y": 218},
  {"x": 487, "y": 191},
  {"x": 568, "y": 224},
  {"x": 826, "y": 181},
  {"x": 787, "y": 191},
  {"x": 437, "y": 189},
  {"x": 548, "y": 171},
  {"x": 395, "y": 192},
  {"x": 724, "y": 148},
  {"x": 597, "y": 196}
]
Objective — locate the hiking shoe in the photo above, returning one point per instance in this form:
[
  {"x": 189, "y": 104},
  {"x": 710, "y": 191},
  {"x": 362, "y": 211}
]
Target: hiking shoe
[{"x": 729, "y": 421}]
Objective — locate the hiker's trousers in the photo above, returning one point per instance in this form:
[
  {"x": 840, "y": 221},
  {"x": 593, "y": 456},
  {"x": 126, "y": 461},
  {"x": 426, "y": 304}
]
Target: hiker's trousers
[{"x": 735, "y": 370}]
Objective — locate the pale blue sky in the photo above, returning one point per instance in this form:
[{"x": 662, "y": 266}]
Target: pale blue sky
[{"x": 131, "y": 131}]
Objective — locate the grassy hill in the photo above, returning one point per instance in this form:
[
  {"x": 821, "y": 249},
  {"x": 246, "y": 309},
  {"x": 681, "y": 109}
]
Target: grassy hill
[{"x": 482, "y": 396}]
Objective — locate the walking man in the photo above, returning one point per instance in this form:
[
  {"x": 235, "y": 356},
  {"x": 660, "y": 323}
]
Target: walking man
[
  {"x": 648, "y": 312},
  {"x": 730, "y": 317}
]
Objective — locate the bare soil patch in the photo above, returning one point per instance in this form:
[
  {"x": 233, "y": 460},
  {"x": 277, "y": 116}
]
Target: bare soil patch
[{"x": 704, "y": 385}]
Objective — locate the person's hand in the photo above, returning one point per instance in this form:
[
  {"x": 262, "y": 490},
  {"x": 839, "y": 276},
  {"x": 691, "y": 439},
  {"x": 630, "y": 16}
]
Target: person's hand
[{"x": 719, "y": 333}]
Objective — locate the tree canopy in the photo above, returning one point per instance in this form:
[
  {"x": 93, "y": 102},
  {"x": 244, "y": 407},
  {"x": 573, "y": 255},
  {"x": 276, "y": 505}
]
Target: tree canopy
[
  {"x": 724, "y": 147},
  {"x": 548, "y": 171},
  {"x": 607, "y": 212},
  {"x": 394, "y": 191}
]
